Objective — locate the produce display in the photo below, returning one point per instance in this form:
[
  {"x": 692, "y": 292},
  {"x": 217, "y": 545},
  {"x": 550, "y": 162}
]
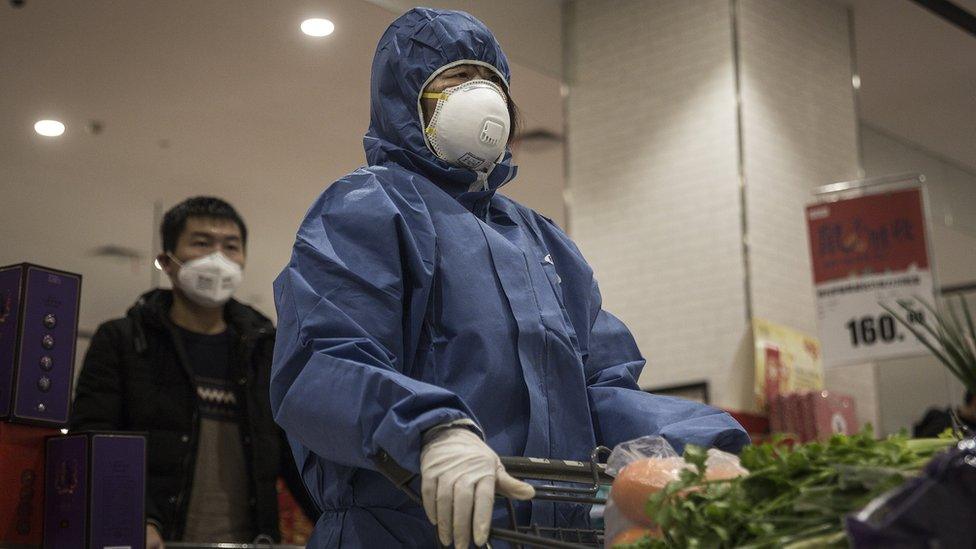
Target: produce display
[
  {"x": 781, "y": 496},
  {"x": 894, "y": 492}
]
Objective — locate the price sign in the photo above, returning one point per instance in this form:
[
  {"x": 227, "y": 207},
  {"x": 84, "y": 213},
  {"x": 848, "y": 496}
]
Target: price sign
[{"x": 866, "y": 251}]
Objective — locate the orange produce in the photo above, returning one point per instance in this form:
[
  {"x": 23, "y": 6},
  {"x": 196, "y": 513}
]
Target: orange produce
[
  {"x": 632, "y": 535},
  {"x": 639, "y": 480}
]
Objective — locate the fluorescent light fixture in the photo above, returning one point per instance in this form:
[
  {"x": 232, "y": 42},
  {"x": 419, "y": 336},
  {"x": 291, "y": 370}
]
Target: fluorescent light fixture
[
  {"x": 317, "y": 27},
  {"x": 49, "y": 128},
  {"x": 856, "y": 81}
]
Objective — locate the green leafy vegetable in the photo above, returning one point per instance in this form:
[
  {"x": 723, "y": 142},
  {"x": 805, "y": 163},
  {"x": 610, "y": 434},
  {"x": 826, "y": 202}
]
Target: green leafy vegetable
[
  {"x": 946, "y": 337},
  {"x": 793, "y": 496}
]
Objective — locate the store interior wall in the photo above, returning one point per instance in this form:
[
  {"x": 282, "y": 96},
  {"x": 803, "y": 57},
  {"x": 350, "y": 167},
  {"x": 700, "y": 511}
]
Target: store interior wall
[
  {"x": 222, "y": 97},
  {"x": 653, "y": 186},
  {"x": 799, "y": 129},
  {"x": 692, "y": 218},
  {"x": 685, "y": 259},
  {"x": 917, "y": 106},
  {"x": 916, "y": 74}
]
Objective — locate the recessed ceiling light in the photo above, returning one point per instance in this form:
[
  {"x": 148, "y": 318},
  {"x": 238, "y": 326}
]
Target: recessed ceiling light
[
  {"x": 317, "y": 27},
  {"x": 49, "y": 128}
]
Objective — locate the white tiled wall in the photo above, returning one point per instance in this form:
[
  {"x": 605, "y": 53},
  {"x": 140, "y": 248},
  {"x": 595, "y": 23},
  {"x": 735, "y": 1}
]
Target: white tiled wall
[
  {"x": 654, "y": 200},
  {"x": 653, "y": 169},
  {"x": 799, "y": 132}
]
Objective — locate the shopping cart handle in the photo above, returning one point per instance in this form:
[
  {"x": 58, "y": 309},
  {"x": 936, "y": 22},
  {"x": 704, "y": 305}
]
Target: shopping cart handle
[
  {"x": 559, "y": 470},
  {"x": 593, "y": 473}
]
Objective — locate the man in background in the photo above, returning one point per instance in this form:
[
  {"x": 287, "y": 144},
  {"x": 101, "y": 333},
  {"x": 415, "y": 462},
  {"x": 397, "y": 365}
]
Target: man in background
[
  {"x": 190, "y": 366},
  {"x": 936, "y": 421}
]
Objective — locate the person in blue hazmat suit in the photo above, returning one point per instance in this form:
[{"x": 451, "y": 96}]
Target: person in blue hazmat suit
[{"x": 425, "y": 315}]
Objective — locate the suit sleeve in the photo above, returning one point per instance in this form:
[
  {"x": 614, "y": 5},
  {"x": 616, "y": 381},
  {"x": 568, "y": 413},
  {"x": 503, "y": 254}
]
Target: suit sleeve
[
  {"x": 622, "y": 411},
  {"x": 293, "y": 479},
  {"x": 350, "y": 306}
]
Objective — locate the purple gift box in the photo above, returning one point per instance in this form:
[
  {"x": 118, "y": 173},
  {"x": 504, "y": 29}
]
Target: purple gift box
[
  {"x": 38, "y": 333},
  {"x": 95, "y": 491}
]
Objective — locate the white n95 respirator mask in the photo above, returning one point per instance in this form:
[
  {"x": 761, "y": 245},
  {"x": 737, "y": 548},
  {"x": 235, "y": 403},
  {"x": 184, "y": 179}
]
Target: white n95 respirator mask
[
  {"x": 209, "y": 281},
  {"x": 470, "y": 125}
]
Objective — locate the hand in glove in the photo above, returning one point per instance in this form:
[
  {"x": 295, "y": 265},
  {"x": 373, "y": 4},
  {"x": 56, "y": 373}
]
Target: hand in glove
[{"x": 460, "y": 476}]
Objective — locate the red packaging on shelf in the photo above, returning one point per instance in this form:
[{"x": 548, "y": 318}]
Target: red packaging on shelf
[
  {"x": 833, "y": 413},
  {"x": 776, "y": 423},
  {"x": 22, "y": 483}
]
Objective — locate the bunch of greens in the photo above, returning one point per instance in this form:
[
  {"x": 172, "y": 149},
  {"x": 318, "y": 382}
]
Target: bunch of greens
[
  {"x": 793, "y": 496},
  {"x": 951, "y": 341}
]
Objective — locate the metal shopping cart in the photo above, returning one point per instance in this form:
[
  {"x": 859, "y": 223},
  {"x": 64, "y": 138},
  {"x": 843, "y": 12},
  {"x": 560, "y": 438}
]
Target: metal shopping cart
[{"x": 579, "y": 482}]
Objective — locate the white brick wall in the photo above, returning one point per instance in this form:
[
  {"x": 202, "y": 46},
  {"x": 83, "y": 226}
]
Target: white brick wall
[
  {"x": 652, "y": 175},
  {"x": 653, "y": 169},
  {"x": 799, "y": 132}
]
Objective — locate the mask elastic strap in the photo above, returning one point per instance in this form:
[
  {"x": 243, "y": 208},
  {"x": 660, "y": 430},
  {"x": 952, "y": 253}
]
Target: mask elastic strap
[{"x": 429, "y": 130}]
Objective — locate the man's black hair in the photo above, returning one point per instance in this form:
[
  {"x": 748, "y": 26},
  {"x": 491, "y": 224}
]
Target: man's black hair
[
  {"x": 174, "y": 222},
  {"x": 968, "y": 397}
]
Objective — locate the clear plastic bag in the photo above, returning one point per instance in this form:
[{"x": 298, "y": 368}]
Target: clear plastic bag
[
  {"x": 723, "y": 466},
  {"x": 640, "y": 468},
  {"x": 619, "y": 530},
  {"x": 639, "y": 448},
  {"x": 643, "y": 467}
]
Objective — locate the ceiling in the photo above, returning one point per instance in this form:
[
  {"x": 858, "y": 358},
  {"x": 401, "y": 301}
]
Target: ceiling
[
  {"x": 918, "y": 76},
  {"x": 221, "y": 97}
]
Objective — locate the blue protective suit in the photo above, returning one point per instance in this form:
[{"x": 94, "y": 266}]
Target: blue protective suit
[{"x": 410, "y": 302}]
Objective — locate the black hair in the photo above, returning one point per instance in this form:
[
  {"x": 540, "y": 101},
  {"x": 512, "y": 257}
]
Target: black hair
[
  {"x": 515, "y": 119},
  {"x": 968, "y": 397},
  {"x": 174, "y": 222}
]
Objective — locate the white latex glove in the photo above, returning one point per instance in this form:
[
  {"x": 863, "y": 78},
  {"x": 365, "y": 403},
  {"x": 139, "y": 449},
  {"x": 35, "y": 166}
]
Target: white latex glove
[{"x": 460, "y": 475}]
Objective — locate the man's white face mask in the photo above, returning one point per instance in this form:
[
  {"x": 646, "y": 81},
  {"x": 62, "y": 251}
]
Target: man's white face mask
[
  {"x": 470, "y": 125},
  {"x": 209, "y": 281}
]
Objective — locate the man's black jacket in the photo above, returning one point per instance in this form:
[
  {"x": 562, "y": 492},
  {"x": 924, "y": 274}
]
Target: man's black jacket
[{"x": 136, "y": 378}]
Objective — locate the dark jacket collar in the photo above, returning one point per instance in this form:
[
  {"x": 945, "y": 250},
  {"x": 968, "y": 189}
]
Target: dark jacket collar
[{"x": 152, "y": 311}]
